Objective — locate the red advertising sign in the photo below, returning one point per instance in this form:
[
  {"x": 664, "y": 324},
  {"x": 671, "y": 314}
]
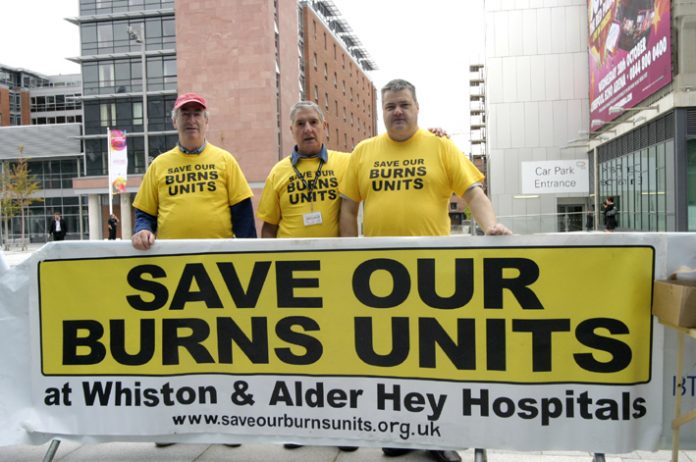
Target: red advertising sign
[{"x": 630, "y": 54}]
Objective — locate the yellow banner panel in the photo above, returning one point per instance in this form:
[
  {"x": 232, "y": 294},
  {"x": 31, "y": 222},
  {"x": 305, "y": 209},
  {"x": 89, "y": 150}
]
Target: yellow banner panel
[{"x": 516, "y": 315}]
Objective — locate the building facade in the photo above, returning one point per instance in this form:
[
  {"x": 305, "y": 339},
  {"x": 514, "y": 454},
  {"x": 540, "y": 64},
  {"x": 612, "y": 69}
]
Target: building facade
[
  {"x": 40, "y": 121},
  {"x": 335, "y": 77},
  {"x": 637, "y": 139},
  {"x": 647, "y": 153},
  {"x": 536, "y": 101},
  {"x": 252, "y": 61}
]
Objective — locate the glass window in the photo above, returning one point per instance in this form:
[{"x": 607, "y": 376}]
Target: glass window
[
  {"x": 652, "y": 190},
  {"x": 168, "y": 33},
  {"x": 644, "y": 191},
  {"x": 661, "y": 188},
  {"x": 106, "y": 76},
  {"x": 124, "y": 113},
  {"x": 105, "y": 36},
  {"x": 136, "y": 75},
  {"x": 95, "y": 158},
  {"x": 155, "y": 73},
  {"x": 137, "y": 114},
  {"x": 92, "y": 118},
  {"x": 691, "y": 184},
  {"x": 121, "y": 37},
  {"x": 170, "y": 73},
  {"x": 638, "y": 177},
  {"x": 120, "y": 5},
  {"x": 88, "y": 33},
  {"x": 107, "y": 114},
  {"x": 153, "y": 32},
  {"x": 123, "y": 76}
]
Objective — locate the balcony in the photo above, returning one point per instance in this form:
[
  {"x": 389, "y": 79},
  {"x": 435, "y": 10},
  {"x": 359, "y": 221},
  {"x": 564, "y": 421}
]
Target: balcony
[{"x": 477, "y": 108}]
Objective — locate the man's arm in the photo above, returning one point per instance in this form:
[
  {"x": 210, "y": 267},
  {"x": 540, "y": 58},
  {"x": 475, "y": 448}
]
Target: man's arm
[
  {"x": 348, "y": 220},
  {"x": 144, "y": 232},
  {"x": 483, "y": 212},
  {"x": 269, "y": 231},
  {"x": 243, "y": 225}
]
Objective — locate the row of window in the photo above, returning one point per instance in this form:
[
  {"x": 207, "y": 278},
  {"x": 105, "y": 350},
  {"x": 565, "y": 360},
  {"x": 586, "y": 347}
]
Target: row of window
[
  {"x": 21, "y": 79},
  {"x": 70, "y": 119},
  {"x": 638, "y": 183},
  {"x": 90, "y": 7},
  {"x": 127, "y": 114},
  {"x": 114, "y": 37},
  {"x": 125, "y": 75},
  {"x": 54, "y": 174},
  {"x": 55, "y": 103}
]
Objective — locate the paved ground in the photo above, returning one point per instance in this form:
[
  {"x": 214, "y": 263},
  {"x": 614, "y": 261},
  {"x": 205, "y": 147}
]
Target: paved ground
[{"x": 138, "y": 452}]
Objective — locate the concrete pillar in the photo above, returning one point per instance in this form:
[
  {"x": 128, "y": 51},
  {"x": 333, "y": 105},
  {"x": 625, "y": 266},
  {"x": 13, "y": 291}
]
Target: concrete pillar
[
  {"x": 126, "y": 222},
  {"x": 94, "y": 217}
]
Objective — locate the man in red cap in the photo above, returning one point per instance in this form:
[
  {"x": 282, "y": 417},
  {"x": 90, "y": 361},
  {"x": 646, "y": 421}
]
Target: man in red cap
[{"x": 193, "y": 180}]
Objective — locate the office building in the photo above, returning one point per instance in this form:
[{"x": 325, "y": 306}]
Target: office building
[
  {"x": 536, "y": 101},
  {"x": 40, "y": 120}
]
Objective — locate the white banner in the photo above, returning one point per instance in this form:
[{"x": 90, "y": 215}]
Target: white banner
[
  {"x": 340, "y": 342},
  {"x": 556, "y": 177},
  {"x": 118, "y": 161}
]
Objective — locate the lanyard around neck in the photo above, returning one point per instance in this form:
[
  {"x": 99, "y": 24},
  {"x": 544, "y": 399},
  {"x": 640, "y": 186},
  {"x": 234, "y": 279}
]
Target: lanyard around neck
[{"x": 309, "y": 186}]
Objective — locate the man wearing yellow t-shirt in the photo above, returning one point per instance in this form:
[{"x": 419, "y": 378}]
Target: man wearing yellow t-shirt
[
  {"x": 404, "y": 179},
  {"x": 194, "y": 191},
  {"x": 300, "y": 198}
]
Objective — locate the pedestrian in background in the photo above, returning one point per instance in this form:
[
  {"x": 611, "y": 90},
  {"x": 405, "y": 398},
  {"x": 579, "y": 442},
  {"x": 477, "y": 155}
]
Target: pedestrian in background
[
  {"x": 57, "y": 228},
  {"x": 113, "y": 223},
  {"x": 609, "y": 210}
]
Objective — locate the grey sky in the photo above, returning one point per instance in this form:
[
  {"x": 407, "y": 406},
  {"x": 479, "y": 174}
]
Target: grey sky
[{"x": 428, "y": 43}]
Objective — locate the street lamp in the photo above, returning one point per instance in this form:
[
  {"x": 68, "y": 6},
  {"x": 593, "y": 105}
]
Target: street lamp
[
  {"x": 621, "y": 109},
  {"x": 133, "y": 35}
]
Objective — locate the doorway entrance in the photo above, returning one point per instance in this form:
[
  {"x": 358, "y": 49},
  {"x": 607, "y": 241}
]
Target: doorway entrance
[{"x": 570, "y": 217}]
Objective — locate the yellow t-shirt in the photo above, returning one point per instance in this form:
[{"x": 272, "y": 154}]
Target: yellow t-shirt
[
  {"x": 406, "y": 186},
  {"x": 191, "y": 194},
  {"x": 286, "y": 199}
]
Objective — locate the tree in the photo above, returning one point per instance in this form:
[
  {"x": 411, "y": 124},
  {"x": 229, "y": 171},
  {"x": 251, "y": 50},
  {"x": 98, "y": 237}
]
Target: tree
[
  {"x": 18, "y": 192},
  {"x": 8, "y": 207}
]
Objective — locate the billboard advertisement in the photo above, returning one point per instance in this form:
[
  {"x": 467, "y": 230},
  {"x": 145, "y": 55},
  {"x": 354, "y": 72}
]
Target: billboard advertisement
[{"x": 629, "y": 54}]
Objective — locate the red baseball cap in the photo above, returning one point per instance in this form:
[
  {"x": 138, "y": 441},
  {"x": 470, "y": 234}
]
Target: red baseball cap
[{"x": 190, "y": 98}]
